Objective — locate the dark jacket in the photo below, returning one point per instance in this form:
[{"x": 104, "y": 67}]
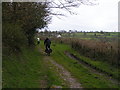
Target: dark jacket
[{"x": 47, "y": 41}]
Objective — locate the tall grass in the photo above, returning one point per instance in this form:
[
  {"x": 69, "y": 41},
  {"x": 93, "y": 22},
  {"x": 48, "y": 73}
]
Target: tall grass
[{"x": 97, "y": 50}]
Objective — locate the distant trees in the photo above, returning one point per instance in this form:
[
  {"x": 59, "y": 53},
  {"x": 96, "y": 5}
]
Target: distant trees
[
  {"x": 85, "y": 33},
  {"x": 102, "y": 32}
]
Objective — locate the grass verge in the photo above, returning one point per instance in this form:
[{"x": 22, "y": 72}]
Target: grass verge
[
  {"x": 101, "y": 65},
  {"x": 28, "y": 70}
]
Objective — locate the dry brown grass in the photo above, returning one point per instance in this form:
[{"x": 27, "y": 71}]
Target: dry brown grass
[{"x": 97, "y": 50}]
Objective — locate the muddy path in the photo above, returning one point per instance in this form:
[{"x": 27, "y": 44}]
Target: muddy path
[
  {"x": 63, "y": 73},
  {"x": 93, "y": 69}
]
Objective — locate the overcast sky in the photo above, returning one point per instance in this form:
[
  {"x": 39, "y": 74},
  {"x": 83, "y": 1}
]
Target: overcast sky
[{"x": 103, "y": 16}]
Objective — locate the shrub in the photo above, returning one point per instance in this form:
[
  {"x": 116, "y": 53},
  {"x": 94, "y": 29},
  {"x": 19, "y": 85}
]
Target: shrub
[{"x": 13, "y": 38}]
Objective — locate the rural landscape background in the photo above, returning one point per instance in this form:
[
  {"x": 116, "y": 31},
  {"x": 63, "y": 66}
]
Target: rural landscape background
[{"x": 79, "y": 58}]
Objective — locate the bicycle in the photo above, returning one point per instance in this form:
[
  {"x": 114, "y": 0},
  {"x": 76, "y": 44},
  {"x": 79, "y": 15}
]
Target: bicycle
[{"x": 48, "y": 51}]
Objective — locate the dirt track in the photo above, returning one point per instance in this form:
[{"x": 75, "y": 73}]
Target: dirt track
[
  {"x": 63, "y": 73},
  {"x": 91, "y": 68}
]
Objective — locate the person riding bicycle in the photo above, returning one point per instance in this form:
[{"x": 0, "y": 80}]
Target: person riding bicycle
[{"x": 47, "y": 43}]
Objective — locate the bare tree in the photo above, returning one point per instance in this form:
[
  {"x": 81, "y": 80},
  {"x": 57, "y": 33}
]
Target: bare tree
[
  {"x": 61, "y": 4},
  {"x": 67, "y": 5}
]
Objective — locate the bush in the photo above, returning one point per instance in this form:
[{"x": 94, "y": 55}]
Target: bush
[{"x": 13, "y": 38}]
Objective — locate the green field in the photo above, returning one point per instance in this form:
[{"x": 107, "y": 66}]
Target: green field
[
  {"x": 29, "y": 70},
  {"x": 108, "y": 36}
]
